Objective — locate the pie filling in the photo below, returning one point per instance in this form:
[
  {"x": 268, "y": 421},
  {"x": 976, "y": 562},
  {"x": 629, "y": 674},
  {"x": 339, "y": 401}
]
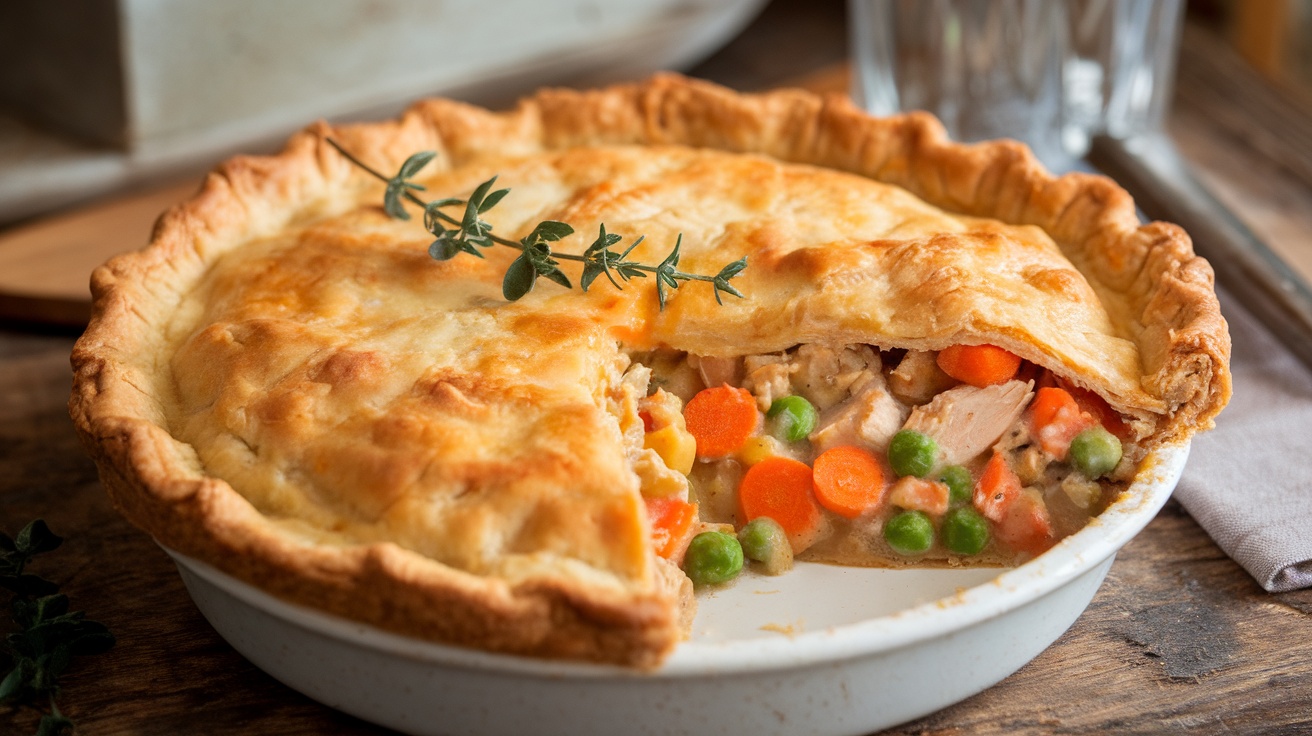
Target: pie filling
[
  {"x": 357, "y": 393},
  {"x": 863, "y": 456}
]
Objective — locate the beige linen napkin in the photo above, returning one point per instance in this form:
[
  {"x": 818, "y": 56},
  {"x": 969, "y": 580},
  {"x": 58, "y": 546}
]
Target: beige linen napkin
[{"x": 1249, "y": 481}]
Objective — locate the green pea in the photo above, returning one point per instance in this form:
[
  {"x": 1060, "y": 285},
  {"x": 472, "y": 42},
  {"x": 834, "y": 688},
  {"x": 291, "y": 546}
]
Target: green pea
[
  {"x": 961, "y": 487},
  {"x": 764, "y": 541},
  {"x": 713, "y": 558},
  {"x": 792, "y": 418},
  {"x": 965, "y": 531},
  {"x": 909, "y": 533},
  {"x": 912, "y": 453},
  {"x": 1095, "y": 452}
]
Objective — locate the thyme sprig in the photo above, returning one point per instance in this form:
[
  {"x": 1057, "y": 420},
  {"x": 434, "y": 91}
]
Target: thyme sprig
[
  {"x": 470, "y": 233},
  {"x": 50, "y": 635}
]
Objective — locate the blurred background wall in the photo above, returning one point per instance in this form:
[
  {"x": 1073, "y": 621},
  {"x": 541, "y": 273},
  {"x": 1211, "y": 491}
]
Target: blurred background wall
[{"x": 104, "y": 96}]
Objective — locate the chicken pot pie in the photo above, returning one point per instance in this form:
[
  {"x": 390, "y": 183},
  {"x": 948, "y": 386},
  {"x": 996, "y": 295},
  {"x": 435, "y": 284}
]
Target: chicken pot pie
[{"x": 942, "y": 355}]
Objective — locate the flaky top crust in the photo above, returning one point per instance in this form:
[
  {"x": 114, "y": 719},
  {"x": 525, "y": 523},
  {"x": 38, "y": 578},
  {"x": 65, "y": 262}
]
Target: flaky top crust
[{"x": 856, "y": 230}]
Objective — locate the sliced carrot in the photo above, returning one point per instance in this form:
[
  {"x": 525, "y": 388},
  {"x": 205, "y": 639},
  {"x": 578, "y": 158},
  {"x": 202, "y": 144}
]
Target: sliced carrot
[
  {"x": 671, "y": 525},
  {"x": 1055, "y": 419},
  {"x": 782, "y": 489},
  {"x": 997, "y": 488},
  {"x": 979, "y": 365},
  {"x": 1027, "y": 526},
  {"x": 917, "y": 494},
  {"x": 721, "y": 419},
  {"x": 848, "y": 481},
  {"x": 1051, "y": 402}
]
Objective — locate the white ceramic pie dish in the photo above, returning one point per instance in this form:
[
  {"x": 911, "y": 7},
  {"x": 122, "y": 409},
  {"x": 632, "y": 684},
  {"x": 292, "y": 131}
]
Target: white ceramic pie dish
[{"x": 821, "y": 650}]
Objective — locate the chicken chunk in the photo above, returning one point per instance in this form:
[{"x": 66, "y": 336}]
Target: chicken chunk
[
  {"x": 827, "y": 376},
  {"x": 965, "y": 421},
  {"x": 670, "y": 370},
  {"x": 718, "y": 371},
  {"x": 768, "y": 378},
  {"x": 658, "y": 480},
  {"x": 869, "y": 419},
  {"x": 630, "y": 392},
  {"x": 917, "y": 378}
]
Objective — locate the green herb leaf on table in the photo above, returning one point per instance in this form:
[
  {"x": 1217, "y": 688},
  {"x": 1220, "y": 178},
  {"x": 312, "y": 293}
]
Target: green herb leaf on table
[
  {"x": 54, "y": 724},
  {"x": 470, "y": 233},
  {"x": 36, "y": 538},
  {"x": 49, "y": 635}
]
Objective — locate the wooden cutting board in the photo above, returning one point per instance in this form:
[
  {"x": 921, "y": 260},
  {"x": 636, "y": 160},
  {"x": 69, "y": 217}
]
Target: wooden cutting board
[{"x": 46, "y": 265}]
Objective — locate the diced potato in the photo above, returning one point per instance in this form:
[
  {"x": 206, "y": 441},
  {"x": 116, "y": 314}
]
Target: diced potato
[
  {"x": 675, "y": 445},
  {"x": 758, "y": 448}
]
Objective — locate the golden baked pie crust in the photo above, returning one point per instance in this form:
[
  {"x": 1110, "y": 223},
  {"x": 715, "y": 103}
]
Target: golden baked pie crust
[{"x": 1141, "y": 327}]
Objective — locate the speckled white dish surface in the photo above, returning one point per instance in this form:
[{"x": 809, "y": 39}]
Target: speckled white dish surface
[{"x": 820, "y": 650}]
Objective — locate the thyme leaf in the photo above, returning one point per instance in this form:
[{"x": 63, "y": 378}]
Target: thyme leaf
[
  {"x": 722, "y": 278},
  {"x": 519, "y": 278},
  {"x": 400, "y": 185},
  {"x": 667, "y": 274},
  {"x": 470, "y": 233}
]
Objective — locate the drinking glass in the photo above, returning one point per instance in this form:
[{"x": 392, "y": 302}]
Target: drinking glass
[
  {"x": 1119, "y": 67},
  {"x": 1051, "y": 73}
]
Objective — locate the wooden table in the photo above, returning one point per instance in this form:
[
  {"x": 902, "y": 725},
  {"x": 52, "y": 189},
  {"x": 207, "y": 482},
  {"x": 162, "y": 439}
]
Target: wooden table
[{"x": 1179, "y": 637}]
